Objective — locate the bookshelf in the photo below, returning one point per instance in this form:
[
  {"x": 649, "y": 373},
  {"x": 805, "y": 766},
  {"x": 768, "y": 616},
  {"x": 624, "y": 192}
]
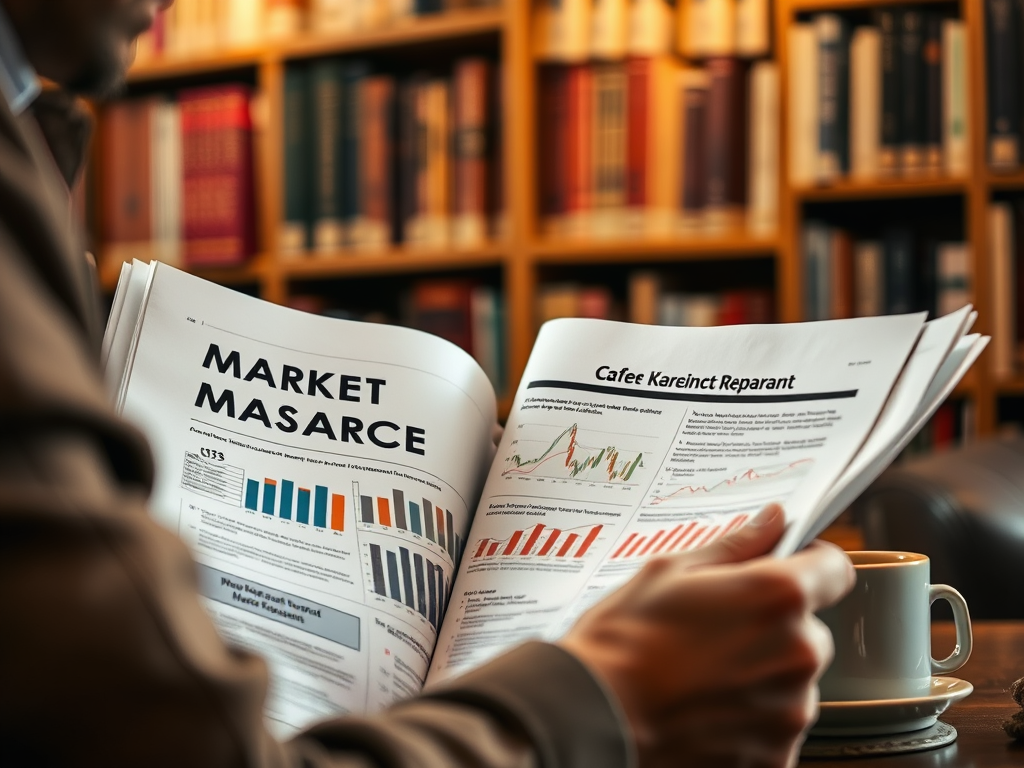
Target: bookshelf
[{"x": 525, "y": 257}]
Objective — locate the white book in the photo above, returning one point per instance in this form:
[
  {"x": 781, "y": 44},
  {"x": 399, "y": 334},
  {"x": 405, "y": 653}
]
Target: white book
[
  {"x": 865, "y": 103},
  {"x": 803, "y": 104},
  {"x": 166, "y": 180},
  {"x": 763, "y": 195},
  {"x": 1004, "y": 306},
  {"x": 608, "y": 29},
  {"x": 650, "y": 28},
  {"x": 242, "y": 24},
  {"x": 753, "y": 23},
  {"x": 562, "y": 30},
  {"x": 868, "y": 279},
  {"x": 955, "y": 123},
  {"x": 707, "y": 28}
]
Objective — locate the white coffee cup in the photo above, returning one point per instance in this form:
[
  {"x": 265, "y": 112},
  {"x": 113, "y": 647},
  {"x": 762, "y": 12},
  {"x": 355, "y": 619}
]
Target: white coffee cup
[{"x": 882, "y": 630}]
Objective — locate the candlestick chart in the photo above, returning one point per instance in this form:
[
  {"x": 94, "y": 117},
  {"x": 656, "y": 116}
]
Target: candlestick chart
[{"x": 566, "y": 453}]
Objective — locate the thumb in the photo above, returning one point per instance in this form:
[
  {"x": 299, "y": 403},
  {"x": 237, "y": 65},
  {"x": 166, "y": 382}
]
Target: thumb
[{"x": 757, "y": 537}]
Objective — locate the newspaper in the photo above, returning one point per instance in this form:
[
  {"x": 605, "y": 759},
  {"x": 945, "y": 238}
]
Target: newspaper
[{"x": 353, "y": 522}]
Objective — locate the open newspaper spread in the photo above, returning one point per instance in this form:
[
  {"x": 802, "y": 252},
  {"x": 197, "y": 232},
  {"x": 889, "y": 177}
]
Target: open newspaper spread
[{"x": 336, "y": 485}]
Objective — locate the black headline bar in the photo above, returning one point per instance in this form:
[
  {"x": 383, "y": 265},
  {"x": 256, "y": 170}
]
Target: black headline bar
[{"x": 689, "y": 396}]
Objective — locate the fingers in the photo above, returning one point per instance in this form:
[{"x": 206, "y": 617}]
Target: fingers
[
  {"x": 754, "y": 539},
  {"x": 824, "y": 573}
]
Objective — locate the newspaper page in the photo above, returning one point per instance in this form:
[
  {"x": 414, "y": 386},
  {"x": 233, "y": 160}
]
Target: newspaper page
[
  {"x": 323, "y": 473},
  {"x": 629, "y": 441}
]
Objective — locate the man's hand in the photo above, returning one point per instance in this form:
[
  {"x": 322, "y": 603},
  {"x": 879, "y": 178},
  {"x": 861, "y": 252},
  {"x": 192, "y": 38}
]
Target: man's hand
[{"x": 714, "y": 655}]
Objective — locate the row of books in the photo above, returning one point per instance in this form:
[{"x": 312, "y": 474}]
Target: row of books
[
  {"x": 844, "y": 277},
  {"x": 651, "y": 147},
  {"x": 371, "y": 160},
  {"x": 579, "y": 30},
  {"x": 881, "y": 100},
  {"x": 466, "y": 312},
  {"x": 954, "y": 423},
  {"x": 1006, "y": 269},
  {"x": 196, "y": 27},
  {"x": 653, "y": 300},
  {"x": 176, "y": 178},
  {"x": 1004, "y": 48}
]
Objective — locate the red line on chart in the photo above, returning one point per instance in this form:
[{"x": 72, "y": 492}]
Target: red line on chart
[{"x": 749, "y": 476}]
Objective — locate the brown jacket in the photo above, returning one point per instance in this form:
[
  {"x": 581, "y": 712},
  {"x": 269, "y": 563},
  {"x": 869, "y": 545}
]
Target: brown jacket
[{"x": 107, "y": 657}]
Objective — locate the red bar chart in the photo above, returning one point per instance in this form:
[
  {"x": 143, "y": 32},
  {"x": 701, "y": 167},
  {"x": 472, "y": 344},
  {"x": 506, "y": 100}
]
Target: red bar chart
[
  {"x": 679, "y": 538},
  {"x": 540, "y": 542}
]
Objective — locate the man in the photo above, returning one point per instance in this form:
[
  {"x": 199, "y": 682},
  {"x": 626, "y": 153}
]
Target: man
[{"x": 106, "y": 655}]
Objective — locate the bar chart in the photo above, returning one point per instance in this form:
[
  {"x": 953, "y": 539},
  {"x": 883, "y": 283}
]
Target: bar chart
[
  {"x": 411, "y": 579},
  {"x": 421, "y": 517},
  {"x": 539, "y": 542},
  {"x": 289, "y": 501},
  {"x": 678, "y": 539}
]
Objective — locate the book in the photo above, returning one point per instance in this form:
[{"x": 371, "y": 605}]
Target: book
[
  {"x": 353, "y": 522},
  {"x": 955, "y": 143},
  {"x": 1003, "y": 271},
  {"x": 726, "y": 137},
  {"x": 1002, "y": 29},
  {"x": 802, "y": 90},
  {"x": 887, "y": 19},
  {"x": 865, "y": 103},
  {"x": 833, "y": 95},
  {"x": 763, "y": 176},
  {"x": 296, "y": 231}
]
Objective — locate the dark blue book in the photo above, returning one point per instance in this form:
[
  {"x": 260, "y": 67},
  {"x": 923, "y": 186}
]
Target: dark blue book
[
  {"x": 296, "y": 232},
  {"x": 912, "y": 92},
  {"x": 892, "y": 130},
  {"x": 1003, "y": 78},
  {"x": 933, "y": 91},
  {"x": 898, "y": 250},
  {"x": 354, "y": 73},
  {"x": 834, "y": 94},
  {"x": 327, "y": 169}
]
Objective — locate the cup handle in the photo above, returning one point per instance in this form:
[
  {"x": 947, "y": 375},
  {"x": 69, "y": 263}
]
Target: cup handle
[{"x": 962, "y": 620}]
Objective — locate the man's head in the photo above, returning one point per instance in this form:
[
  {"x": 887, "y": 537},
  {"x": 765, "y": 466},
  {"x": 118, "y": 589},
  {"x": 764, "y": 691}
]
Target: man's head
[{"x": 85, "y": 45}]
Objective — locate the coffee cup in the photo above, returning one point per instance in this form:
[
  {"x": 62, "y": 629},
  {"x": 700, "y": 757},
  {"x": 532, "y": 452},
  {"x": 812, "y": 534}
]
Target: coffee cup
[{"x": 882, "y": 631}]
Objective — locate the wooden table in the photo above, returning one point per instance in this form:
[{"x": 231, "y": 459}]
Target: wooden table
[{"x": 996, "y": 661}]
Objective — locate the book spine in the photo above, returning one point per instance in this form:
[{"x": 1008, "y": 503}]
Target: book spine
[
  {"x": 353, "y": 78},
  {"x": 832, "y": 95},
  {"x": 753, "y": 38},
  {"x": 295, "y": 236},
  {"x": 638, "y": 104},
  {"x": 1002, "y": 269},
  {"x": 664, "y": 148},
  {"x": 218, "y": 219},
  {"x": 868, "y": 279},
  {"x": 803, "y": 104},
  {"x": 865, "y": 103},
  {"x": 955, "y": 146},
  {"x": 900, "y": 277},
  {"x": 376, "y": 169},
  {"x": 842, "y": 298},
  {"x": 817, "y": 279},
  {"x": 953, "y": 277},
  {"x": 1002, "y": 40},
  {"x": 562, "y": 30},
  {"x": 912, "y": 93},
  {"x": 644, "y": 291},
  {"x": 327, "y": 167},
  {"x": 406, "y": 171},
  {"x": 472, "y": 77},
  {"x": 726, "y": 142},
  {"x": 610, "y": 146},
  {"x": 933, "y": 93},
  {"x": 608, "y": 29},
  {"x": 694, "y": 86},
  {"x": 709, "y": 28},
  {"x": 553, "y": 164},
  {"x": 649, "y": 28},
  {"x": 439, "y": 163},
  {"x": 764, "y": 147},
  {"x": 284, "y": 18},
  {"x": 167, "y": 179},
  {"x": 580, "y": 110},
  {"x": 892, "y": 116}
]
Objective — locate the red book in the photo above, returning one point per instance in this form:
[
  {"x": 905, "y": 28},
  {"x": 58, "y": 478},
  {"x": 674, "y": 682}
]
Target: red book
[
  {"x": 842, "y": 274},
  {"x": 727, "y": 140},
  {"x": 637, "y": 93},
  {"x": 580, "y": 147},
  {"x": 552, "y": 142},
  {"x": 944, "y": 426},
  {"x": 218, "y": 217},
  {"x": 376, "y": 168},
  {"x": 444, "y": 308}
]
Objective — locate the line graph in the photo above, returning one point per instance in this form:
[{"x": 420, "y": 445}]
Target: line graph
[
  {"x": 568, "y": 456},
  {"x": 728, "y": 487}
]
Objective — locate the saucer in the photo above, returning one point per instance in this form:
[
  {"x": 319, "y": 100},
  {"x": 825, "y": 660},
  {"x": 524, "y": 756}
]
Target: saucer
[{"x": 869, "y": 718}]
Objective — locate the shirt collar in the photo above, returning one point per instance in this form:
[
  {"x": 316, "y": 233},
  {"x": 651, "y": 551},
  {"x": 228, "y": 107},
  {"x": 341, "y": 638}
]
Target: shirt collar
[{"x": 18, "y": 81}]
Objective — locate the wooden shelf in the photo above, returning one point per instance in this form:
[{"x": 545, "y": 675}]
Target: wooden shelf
[
  {"x": 350, "y": 263},
  {"x": 801, "y": 6},
  {"x": 1012, "y": 386},
  {"x": 1011, "y": 180},
  {"x": 250, "y": 273},
  {"x": 882, "y": 188},
  {"x": 737, "y": 246},
  {"x": 419, "y": 32}
]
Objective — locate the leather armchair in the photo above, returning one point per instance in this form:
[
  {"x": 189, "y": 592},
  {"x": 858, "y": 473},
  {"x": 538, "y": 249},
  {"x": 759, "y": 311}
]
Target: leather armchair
[{"x": 964, "y": 508}]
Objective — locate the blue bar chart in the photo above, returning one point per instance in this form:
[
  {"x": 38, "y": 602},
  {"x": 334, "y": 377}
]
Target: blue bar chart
[
  {"x": 421, "y": 517},
  {"x": 288, "y": 501},
  {"x": 411, "y": 579}
]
